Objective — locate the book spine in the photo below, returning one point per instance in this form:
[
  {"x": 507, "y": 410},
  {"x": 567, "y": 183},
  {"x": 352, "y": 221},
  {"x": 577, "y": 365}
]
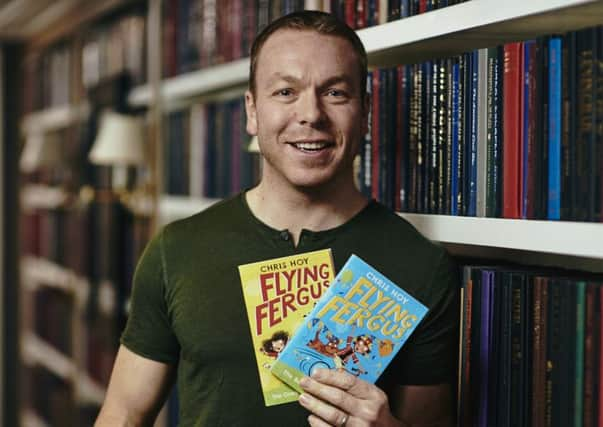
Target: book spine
[
  {"x": 511, "y": 131},
  {"x": 554, "y": 124},
  {"x": 578, "y": 404},
  {"x": 482, "y": 133}
]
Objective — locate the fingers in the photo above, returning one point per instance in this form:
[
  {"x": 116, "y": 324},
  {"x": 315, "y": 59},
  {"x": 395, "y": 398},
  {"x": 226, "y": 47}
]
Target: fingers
[
  {"x": 323, "y": 414},
  {"x": 331, "y": 395},
  {"x": 343, "y": 380}
]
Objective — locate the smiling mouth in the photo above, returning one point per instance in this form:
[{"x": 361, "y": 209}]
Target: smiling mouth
[{"x": 313, "y": 146}]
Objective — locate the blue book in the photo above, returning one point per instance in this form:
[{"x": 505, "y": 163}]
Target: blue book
[
  {"x": 554, "y": 127},
  {"x": 471, "y": 143},
  {"x": 485, "y": 349},
  {"x": 456, "y": 117},
  {"x": 526, "y": 122},
  {"x": 359, "y": 325}
]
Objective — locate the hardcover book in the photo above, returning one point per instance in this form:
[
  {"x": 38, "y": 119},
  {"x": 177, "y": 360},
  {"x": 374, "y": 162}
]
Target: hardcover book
[
  {"x": 359, "y": 325},
  {"x": 278, "y": 294}
]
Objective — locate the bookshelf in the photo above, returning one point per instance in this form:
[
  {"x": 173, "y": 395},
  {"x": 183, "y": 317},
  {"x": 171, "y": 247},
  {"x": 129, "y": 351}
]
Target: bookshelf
[
  {"x": 454, "y": 29},
  {"x": 78, "y": 239},
  {"x": 444, "y": 32}
]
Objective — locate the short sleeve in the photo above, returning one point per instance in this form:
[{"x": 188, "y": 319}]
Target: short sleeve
[
  {"x": 430, "y": 356},
  {"x": 148, "y": 331}
]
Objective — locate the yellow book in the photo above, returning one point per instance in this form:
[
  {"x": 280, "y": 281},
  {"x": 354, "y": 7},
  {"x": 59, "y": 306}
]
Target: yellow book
[{"x": 279, "y": 293}]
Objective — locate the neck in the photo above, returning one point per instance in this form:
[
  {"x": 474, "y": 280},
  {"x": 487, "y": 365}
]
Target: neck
[{"x": 295, "y": 209}]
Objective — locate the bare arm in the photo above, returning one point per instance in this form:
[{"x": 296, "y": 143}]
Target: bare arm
[{"x": 137, "y": 390}]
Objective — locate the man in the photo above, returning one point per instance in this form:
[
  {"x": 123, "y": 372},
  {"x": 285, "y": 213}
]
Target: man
[{"x": 307, "y": 105}]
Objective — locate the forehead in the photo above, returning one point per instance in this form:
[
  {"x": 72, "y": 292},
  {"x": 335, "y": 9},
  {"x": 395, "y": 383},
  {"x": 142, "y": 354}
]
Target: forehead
[{"x": 306, "y": 52}]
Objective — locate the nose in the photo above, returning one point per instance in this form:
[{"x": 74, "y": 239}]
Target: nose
[{"x": 309, "y": 109}]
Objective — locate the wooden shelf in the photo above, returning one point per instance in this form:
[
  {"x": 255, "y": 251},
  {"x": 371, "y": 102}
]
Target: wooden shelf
[
  {"x": 39, "y": 272},
  {"x": 472, "y": 25},
  {"x": 577, "y": 239},
  {"x": 37, "y": 352},
  {"x": 36, "y": 196},
  {"x": 54, "y": 118},
  {"x": 30, "y": 419},
  {"x": 580, "y": 239},
  {"x": 197, "y": 83},
  {"x": 172, "y": 208}
]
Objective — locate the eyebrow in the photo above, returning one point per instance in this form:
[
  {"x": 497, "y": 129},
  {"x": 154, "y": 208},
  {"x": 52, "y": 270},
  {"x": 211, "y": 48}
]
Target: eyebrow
[{"x": 276, "y": 77}]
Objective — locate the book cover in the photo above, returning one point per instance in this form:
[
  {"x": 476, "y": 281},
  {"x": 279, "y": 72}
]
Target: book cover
[
  {"x": 359, "y": 325},
  {"x": 278, "y": 294}
]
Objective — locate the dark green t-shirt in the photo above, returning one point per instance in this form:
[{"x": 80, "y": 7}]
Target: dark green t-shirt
[{"x": 187, "y": 306}]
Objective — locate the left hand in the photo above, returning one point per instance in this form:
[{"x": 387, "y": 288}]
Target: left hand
[{"x": 337, "y": 398}]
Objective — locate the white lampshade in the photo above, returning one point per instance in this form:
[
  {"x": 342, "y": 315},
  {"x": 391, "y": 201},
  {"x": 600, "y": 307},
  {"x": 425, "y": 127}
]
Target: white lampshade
[
  {"x": 119, "y": 141},
  {"x": 40, "y": 150}
]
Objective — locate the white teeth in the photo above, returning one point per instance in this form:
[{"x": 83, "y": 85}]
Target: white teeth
[{"x": 310, "y": 145}]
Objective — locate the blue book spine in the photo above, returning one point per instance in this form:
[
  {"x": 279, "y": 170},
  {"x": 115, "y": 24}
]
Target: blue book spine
[
  {"x": 526, "y": 121},
  {"x": 484, "y": 351},
  {"x": 358, "y": 325},
  {"x": 454, "y": 178},
  {"x": 472, "y": 143},
  {"x": 554, "y": 127},
  {"x": 404, "y": 9}
]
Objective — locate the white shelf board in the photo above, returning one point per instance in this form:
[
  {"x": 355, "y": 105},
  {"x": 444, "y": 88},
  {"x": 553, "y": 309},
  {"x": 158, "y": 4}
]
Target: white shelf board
[
  {"x": 38, "y": 196},
  {"x": 172, "y": 208},
  {"x": 54, "y": 118},
  {"x": 37, "y": 352},
  {"x": 89, "y": 391},
  {"x": 207, "y": 80},
  {"x": 37, "y": 272},
  {"x": 472, "y": 25},
  {"x": 579, "y": 239},
  {"x": 30, "y": 419}
]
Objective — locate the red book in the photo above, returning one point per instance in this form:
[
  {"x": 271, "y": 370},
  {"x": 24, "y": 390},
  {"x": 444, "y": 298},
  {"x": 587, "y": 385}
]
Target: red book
[
  {"x": 361, "y": 14},
  {"x": 422, "y": 6},
  {"x": 350, "y": 13},
  {"x": 512, "y": 129}
]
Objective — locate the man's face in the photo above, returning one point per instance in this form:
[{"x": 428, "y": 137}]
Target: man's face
[{"x": 307, "y": 110}]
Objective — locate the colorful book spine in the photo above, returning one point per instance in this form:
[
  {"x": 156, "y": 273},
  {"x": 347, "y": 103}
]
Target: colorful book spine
[
  {"x": 359, "y": 325},
  {"x": 512, "y": 129},
  {"x": 554, "y": 125}
]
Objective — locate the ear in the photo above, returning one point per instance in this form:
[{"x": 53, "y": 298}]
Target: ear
[{"x": 251, "y": 112}]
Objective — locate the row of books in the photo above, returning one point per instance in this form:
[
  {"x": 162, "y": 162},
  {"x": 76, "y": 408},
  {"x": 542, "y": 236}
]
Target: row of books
[
  {"x": 201, "y": 33},
  {"x": 530, "y": 349},
  {"x": 367, "y": 13},
  {"x": 205, "y": 152},
  {"x": 512, "y": 131},
  {"x": 61, "y": 73},
  {"x": 99, "y": 243},
  {"x": 50, "y": 395}
]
